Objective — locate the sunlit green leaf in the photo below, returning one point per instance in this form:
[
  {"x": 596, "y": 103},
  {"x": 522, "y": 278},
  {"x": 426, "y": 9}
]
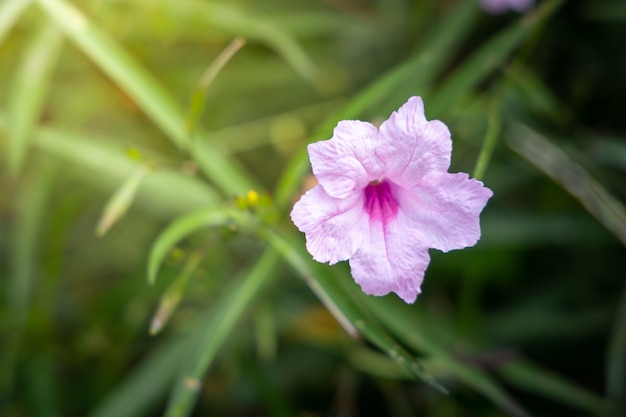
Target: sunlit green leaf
[
  {"x": 29, "y": 90},
  {"x": 10, "y": 12},
  {"x": 149, "y": 95},
  {"x": 121, "y": 200}
]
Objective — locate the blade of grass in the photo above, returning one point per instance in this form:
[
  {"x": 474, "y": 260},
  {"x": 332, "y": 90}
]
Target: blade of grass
[
  {"x": 29, "y": 90},
  {"x": 173, "y": 294},
  {"x": 120, "y": 201},
  {"x": 199, "y": 95},
  {"x": 553, "y": 162},
  {"x": 149, "y": 95},
  {"x": 221, "y": 321},
  {"x": 493, "y": 132},
  {"x": 347, "y": 313},
  {"x": 537, "y": 93},
  {"x": 182, "y": 227},
  {"x": 120, "y": 67},
  {"x": 403, "y": 321},
  {"x": 252, "y": 26},
  {"x": 423, "y": 334},
  {"x": 164, "y": 192},
  {"x": 489, "y": 57},
  {"x": 527, "y": 376},
  {"x": 10, "y": 12}
]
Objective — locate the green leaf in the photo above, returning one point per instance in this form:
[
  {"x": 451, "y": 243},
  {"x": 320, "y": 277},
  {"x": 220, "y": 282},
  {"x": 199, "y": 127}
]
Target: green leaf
[
  {"x": 149, "y": 95},
  {"x": 199, "y": 96},
  {"x": 173, "y": 294},
  {"x": 121, "y": 200},
  {"x": 342, "y": 307},
  {"x": 405, "y": 322},
  {"x": 228, "y": 18},
  {"x": 493, "y": 131},
  {"x": 184, "y": 226},
  {"x": 163, "y": 192},
  {"x": 29, "y": 90},
  {"x": 555, "y": 163},
  {"x": 120, "y": 67},
  {"x": 219, "y": 324}
]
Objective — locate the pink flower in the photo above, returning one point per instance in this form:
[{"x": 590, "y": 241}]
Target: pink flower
[
  {"x": 385, "y": 197},
  {"x": 501, "y": 6}
]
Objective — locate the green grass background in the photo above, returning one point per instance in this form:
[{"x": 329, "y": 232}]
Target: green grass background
[{"x": 196, "y": 299}]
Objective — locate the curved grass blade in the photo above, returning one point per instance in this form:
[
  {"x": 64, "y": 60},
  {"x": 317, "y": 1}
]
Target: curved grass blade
[
  {"x": 199, "y": 96},
  {"x": 184, "y": 226},
  {"x": 149, "y": 95},
  {"x": 552, "y": 161},
  {"x": 121, "y": 200},
  {"x": 341, "y": 306},
  {"x": 10, "y": 12},
  {"x": 228, "y": 18},
  {"x": 120, "y": 67},
  {"x": 29, "y": 90},
  {"x": 219, "y": 324}
]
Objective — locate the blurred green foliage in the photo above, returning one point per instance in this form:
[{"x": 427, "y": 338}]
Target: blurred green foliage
[{"x": 119, "y": 160}]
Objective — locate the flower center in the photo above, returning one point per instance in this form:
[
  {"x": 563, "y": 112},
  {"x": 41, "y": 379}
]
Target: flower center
[{"x": 380, "y": 204}]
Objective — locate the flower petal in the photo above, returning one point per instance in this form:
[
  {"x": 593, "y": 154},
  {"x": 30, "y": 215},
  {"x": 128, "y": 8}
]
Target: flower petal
[
  {"x": 347, "y": 161},
  {"x": 410, "y": 146},
  {"x": 501, "y": 6},
  {"x": 392, "y": 258},
  {"x": 333, "y": 227},
  {"x": 445, "y": 208}
]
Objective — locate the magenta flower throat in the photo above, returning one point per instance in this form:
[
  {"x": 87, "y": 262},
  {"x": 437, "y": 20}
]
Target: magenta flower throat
[{"x": 384, "y": 198}]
